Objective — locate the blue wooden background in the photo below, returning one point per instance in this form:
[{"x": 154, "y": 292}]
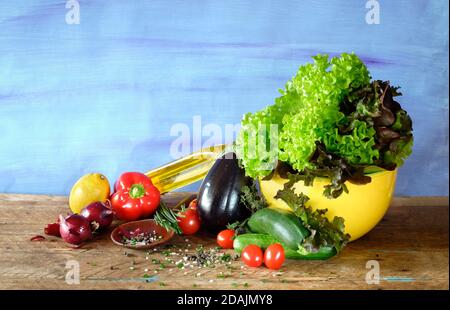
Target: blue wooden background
[{"x": 103, "y": 95}]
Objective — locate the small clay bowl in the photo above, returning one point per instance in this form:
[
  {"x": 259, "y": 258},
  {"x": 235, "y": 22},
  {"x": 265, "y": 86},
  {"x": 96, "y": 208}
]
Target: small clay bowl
[{"x": 145, "y": 226}]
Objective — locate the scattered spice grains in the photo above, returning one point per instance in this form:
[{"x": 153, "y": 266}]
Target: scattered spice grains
[
  {"x": 223, "y": 276},
  {"x": 183, "y": 258},
  {"x": 210, "y": 257},
  {"x": 156, "y": 261},
  {"x": 140, "y": 238}
]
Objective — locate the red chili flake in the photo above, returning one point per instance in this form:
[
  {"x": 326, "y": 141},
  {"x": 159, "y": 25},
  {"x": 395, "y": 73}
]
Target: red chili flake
[
  {"x": 52, "y": 229},
  {"x": 124, "y": 233},
  {"x": 37, "y": 238},
  {"x": 137, "y": 231}
]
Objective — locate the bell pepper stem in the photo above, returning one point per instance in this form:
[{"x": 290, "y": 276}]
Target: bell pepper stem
[{"x": 137, "y": 191}]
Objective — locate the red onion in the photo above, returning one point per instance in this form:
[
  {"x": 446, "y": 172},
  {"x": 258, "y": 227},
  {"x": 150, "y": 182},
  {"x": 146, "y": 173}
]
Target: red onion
[
  {"x": 98, "y": 214},
  {"x": 37, "y": 238},
  {"x": 74, "y": 229},
  {"x": 52, "y": 229}
]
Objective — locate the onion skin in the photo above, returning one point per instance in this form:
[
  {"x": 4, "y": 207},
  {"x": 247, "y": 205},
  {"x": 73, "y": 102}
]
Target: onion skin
[
  {"x": 98, "y": 214},
  {"x": 37, "y": 238},
  {"x": 52, "y": 229},
  {"x": 75, "y": 229}
]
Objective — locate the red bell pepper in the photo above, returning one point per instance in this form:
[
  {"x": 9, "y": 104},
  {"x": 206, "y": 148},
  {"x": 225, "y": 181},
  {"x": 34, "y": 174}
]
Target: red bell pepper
[{"x": 135, "y": 197}]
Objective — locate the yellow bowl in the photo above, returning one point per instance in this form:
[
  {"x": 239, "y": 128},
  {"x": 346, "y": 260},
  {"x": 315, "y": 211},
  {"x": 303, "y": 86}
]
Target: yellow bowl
[{"x": 362, "y": 208}]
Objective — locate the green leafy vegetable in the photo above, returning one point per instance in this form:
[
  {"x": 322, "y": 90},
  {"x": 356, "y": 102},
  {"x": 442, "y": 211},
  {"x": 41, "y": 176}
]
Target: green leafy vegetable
[
  {"x": 308, "y": 108},
  {"x": 251, "y": 198},
  {"x": 324, "y": 233},
  {"x": 358, "y": 147},
  {"x": 318, "y": 90},
  {"x": 253, "y": 201},
  {"x": 332, "y": 167},
  {"x": 390, "y": 125},
  {"x": 330, "y": 121}
]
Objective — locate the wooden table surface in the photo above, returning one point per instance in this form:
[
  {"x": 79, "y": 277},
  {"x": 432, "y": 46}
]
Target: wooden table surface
[{"x": 410, "y": 245}]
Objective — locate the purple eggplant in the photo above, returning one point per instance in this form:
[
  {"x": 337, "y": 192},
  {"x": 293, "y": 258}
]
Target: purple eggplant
[{"x": 219, "y": 196}]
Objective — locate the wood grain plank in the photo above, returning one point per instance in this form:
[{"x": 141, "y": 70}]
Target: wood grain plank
[{"x": 410, "y": 244}]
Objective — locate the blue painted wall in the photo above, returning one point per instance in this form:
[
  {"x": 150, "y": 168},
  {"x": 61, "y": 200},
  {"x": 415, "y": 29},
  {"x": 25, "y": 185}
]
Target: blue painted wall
[{"x": 103, "y": 95}]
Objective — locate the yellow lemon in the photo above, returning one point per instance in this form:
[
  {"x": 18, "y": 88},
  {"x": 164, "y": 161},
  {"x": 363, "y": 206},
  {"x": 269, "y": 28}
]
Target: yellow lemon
[{"x": 89, "y": 188}]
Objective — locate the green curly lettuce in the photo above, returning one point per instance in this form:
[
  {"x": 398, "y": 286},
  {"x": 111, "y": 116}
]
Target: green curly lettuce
[
  {"x": 330, "y": 121},
  {"x": 319, "y": 91},
  {"x": 306, "y": 111},
  {"x": 358, "y": 147},
  {"x": 257, "y": 143}
]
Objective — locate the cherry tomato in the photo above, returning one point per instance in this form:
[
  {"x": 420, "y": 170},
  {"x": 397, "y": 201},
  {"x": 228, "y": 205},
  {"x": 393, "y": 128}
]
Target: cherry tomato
[
  {"x": 252, "y": 255},
  {"x": 189, "y": 221},
  {"x": 225, "y": 239},
  {"x": 274, "y": 256},
  {"x": 193, "y": 204}
]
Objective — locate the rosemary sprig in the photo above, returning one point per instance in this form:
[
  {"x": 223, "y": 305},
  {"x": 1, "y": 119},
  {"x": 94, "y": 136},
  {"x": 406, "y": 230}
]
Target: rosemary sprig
[{"x": 167, "y": 218}]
